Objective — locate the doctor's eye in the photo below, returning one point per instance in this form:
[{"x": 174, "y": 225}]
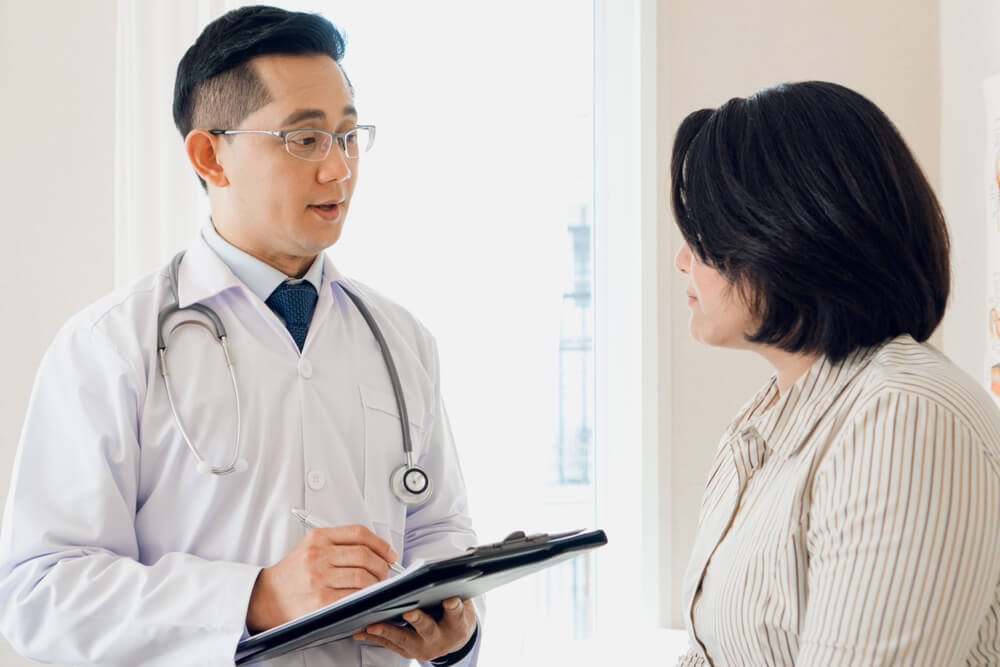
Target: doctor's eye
[
  {"x": 308, "y": 144},
  {"x": 302, "y": 138}
]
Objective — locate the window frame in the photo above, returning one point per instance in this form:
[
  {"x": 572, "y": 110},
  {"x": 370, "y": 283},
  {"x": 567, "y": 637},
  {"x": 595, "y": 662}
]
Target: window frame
[{"x": 632, "y": 406}]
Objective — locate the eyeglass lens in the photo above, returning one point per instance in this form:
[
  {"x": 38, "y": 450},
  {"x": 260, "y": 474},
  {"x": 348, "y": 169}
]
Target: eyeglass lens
[{"x": 315, "y": 145}]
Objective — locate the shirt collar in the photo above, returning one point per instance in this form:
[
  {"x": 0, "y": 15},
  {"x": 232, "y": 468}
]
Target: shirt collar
[
  {"x": 789, "y": 422},
  {"x": 204, "y": 273},
  {"x": 259, "y": 277}
]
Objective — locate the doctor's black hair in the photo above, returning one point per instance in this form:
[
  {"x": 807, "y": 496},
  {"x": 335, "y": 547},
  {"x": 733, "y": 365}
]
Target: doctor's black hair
[
  {"x": 807, "y": 199},
  {"x": 216, "y": 85}
]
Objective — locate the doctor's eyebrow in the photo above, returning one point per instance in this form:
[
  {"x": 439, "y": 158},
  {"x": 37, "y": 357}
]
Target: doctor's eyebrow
[{"x": 300, "y": 115}]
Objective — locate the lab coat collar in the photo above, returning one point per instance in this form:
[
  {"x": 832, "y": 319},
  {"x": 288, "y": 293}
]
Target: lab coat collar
[
  {"x": 202, "y": 274},
  {"x": 330, "y": 273}
]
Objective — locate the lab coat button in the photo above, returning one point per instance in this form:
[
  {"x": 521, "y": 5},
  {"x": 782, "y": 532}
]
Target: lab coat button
[
  {"x": 316, "y": 479},
  {"x": 305, "y": 368}
]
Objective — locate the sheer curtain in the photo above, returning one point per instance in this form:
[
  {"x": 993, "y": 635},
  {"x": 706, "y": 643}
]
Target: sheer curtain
[{"x": 159, "y": 205}]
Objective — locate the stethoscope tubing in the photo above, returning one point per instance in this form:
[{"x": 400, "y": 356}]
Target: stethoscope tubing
[
  {"x": 220, "y": 334},
  {"x": 390, "y": 365}
]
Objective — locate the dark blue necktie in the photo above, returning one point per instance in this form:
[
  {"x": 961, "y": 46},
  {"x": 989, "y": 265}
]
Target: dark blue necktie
[{"x": 295, "y": 304}]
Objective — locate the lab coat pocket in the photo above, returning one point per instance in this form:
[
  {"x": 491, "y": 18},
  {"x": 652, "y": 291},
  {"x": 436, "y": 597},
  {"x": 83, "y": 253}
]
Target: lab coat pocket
[{"x": 384, "y": 453}]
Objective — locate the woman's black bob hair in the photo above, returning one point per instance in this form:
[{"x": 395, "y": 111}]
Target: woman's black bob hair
[{"x": 805, "y": 197}]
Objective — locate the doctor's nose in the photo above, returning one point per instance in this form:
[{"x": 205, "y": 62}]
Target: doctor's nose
[
  {"x": 336, "y": 166},
  {"x": 682, "y": 260}
]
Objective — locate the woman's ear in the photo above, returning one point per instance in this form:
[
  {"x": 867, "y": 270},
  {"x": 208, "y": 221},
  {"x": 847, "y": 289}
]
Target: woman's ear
[{"x": 202, "y": 151}]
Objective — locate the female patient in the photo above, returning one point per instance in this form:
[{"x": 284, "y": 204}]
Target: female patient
[{"x": 852, "y": 515}]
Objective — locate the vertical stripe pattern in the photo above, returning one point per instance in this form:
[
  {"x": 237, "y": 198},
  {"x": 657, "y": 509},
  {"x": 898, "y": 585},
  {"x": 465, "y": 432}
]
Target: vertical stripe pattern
[{"x": 854, "y": 520}]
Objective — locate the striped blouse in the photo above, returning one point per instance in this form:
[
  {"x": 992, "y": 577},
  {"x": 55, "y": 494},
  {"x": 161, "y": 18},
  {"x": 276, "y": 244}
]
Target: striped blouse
[{"x": 854, "y": 521}]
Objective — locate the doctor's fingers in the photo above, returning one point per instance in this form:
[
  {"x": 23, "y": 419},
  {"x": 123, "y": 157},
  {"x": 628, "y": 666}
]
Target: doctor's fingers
[
  {"x": 343, "y": 581},
  {"x": 458, "y": 622},
  {"x": 429, "y": 638},
  {"x": 425, "y": 626},
  {"x": 459, "y": 616},
  {"x": 329, "y": 561},
  {"x": 452, "y": 621},
  {"x": 359, "y": 535}
]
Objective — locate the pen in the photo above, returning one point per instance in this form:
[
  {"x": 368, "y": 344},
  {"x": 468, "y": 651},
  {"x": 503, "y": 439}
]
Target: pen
[{"x": 308, "y": 520}]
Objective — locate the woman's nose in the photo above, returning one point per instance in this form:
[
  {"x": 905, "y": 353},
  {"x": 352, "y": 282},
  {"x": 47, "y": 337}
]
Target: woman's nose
[{"x": 682, "y": 260}]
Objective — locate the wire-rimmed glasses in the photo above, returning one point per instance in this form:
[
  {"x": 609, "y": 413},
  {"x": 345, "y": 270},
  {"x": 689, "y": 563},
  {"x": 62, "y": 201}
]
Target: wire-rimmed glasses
[{"x": 314, "y": 145}]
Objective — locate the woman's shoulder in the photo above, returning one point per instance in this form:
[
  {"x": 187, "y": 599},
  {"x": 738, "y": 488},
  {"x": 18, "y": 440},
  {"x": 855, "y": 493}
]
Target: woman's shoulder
[{"x": 919, "y": 376}]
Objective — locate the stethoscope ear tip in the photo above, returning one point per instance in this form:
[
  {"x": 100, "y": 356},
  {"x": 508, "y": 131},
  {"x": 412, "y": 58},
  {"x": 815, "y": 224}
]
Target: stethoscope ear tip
[
  {"x": 241, "y": 465},
  {"x": 204, "y": 467}
]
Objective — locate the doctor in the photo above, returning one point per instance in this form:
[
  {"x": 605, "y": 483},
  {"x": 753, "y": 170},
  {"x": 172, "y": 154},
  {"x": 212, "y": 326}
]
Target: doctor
[{"x": 123, "y": 544}]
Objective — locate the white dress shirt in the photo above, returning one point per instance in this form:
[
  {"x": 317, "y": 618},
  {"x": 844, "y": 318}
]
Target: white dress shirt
[
  {"x": 259, "y": 278},
  {"x": 855, "y": 521},
  {"x": 114, "y": 550}
]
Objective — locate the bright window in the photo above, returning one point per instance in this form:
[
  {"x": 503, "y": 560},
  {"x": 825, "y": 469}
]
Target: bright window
[{"x": 506, "y": 167}]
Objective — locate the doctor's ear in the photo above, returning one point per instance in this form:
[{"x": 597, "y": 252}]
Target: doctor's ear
[{"x": 201, "y": 146}]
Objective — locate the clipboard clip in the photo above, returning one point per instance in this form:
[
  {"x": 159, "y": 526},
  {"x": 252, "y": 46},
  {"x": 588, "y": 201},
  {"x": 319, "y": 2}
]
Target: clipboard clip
[{"x": 519, "y": 538}]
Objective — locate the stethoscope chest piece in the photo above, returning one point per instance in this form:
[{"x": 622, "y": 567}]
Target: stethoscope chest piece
[{"x": 411, "y": 484}]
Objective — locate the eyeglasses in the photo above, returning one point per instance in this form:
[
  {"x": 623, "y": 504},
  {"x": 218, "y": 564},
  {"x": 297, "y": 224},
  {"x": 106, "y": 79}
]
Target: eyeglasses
[{"x": 314, "y": 145}]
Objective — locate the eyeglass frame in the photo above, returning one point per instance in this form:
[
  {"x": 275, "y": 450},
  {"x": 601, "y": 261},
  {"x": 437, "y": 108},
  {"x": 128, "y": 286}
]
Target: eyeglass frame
[{"x": 338, "y": 138}]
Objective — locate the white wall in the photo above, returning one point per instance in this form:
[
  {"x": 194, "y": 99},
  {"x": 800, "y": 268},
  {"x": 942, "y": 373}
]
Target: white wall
[
  {"x": 970, "y": 51},
  {"x": 710, "y": 51},
  {"x": 56, "y": 175}
]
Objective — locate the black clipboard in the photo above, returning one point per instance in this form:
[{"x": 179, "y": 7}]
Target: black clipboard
[{"x": 467, "y": 575}]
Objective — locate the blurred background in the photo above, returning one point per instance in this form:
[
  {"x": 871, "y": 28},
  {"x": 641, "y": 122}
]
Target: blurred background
[{"x": 516, "y": 203}]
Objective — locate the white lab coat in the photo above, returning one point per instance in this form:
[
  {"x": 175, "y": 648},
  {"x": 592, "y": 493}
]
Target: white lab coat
[{"x": 116, "y": 551}]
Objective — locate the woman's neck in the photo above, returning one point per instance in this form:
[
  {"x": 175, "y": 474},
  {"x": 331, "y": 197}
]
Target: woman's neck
[{"x": 790, "y": 366}]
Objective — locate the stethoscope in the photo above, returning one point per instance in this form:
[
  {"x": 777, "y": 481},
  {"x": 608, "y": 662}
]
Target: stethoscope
[{"x": 409, "y": 482}]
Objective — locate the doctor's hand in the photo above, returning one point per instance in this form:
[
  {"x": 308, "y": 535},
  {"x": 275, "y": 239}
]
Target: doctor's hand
[
  {"x": 426, "y": 639},
  {"x": 326, "y": 565}
]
